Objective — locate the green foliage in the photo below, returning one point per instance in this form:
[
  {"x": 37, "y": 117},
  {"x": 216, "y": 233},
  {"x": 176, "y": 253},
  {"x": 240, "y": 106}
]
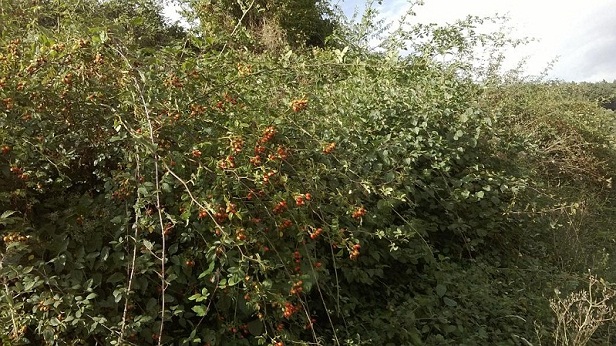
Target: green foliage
[
  {"x": 157, "y": 191},
  {"x": 263, "y": 25}
]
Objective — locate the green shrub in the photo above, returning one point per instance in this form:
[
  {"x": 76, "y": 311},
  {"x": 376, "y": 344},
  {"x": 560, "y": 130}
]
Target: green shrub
[{"x": 193, "y": 193}]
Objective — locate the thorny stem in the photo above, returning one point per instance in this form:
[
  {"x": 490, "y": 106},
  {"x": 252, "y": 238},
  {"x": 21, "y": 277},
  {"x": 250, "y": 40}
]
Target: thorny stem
[
  {"x": 156, "y": 157},
  {"x": 8, "y": 293},
  {"x": 163, "y": 255},
  {"x": 131, "y": 273}
]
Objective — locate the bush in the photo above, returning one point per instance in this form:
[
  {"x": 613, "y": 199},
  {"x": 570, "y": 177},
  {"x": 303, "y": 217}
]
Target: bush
[{"x": 198, "y": 194}]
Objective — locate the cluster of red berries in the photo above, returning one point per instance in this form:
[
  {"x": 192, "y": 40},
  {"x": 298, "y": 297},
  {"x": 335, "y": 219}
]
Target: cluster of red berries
[
  {"x": 196, "y": 109},
  {"x": 259, "y": 149},
  {"x": 230, "y": 99},
  {"x": 202, "y": 214},
  {"x": 283, "y": 154},
  {"x": 355, "y": 252},
  {"x": 299, "y": 105},
  {"x": 359, "y": 213},
  {"x": 220, "y": 105},
  {"x": 196, "y": 153},
  {"x": 256, "y": 160},
  {"x": 14, "y": 237},
  {"x": 81, "y": 43},
  {"x": 297, "y": 288},
  {"x": 317, "y": 232},
  {"x": 228, "y": 163},
  {"x": 329, "y": 148},
  {"x": 194, "y": 73},
  {"x": 243, "y": 330},
  {"x": 221, "y": 215},
  {"x": 289, "y": 310},
  {"x": 268, "y": 134},
  {"x": 267, "y": 176},
  {"x": 174, "y": 81},
  {"x": 297, "y": 258},
  {"x": 286, "y": 223},
  {"x": 237, "y": 144},
  {"x": 42, "y": 306},
  {"x": 280, "y": 207},
  {"x": 20, "y": 173},
  {"x": 240, "y": 234},
  {"x": 8, "y": 103},
  {"x": 301, "y": 199},
  {"x": 254, "y": 194}
]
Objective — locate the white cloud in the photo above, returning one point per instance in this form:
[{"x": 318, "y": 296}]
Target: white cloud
[{"x": 580, "y": 33}]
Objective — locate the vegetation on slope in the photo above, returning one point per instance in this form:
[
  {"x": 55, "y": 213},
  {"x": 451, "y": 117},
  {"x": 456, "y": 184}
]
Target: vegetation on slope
[{"x": 214, "y": 186}]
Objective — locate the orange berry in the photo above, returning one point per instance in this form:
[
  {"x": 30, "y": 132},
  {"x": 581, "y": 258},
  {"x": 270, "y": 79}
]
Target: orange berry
[
  {"x": 300, "y": 201},
  {"x": 329, "y": 148},
  {"x": 299, "y": 105}
]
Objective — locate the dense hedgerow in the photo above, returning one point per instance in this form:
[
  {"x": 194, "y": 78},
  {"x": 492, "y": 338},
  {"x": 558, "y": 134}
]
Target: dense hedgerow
[{"x": 199, "y": 194}]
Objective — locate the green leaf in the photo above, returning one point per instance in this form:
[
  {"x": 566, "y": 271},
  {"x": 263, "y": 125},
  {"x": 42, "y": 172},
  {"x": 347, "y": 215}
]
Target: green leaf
[
  {"x": 450, "y": 302},
  {"x": 195, "y": 296},
  {"x": 208, "y": 271},
  {"x": 255, "y": 327},
  {"x": 234, "y": 279},
  {"x": 173, "y": 248},
  {"x": 200, "y": 310},
  {"x": 441, "y": 290},
  {"x": 7, "y": 213},
  {"x": 115, "y": 277}
]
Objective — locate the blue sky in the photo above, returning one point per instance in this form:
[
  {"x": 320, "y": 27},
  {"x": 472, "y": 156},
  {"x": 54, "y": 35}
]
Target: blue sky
[{"x": 580, "y": 34}]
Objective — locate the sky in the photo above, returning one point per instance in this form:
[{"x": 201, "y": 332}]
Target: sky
[{"x": 581, "y": 35}]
